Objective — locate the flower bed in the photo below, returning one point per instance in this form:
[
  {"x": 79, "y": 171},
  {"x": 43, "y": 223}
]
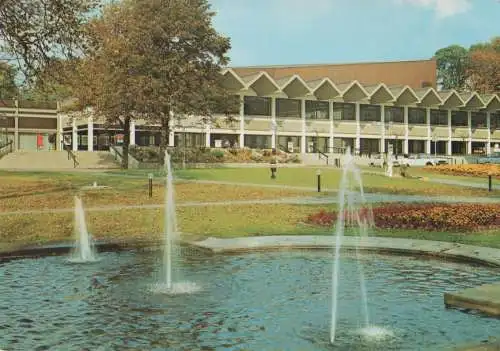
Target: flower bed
[
  {"x": 467, "y": 170},
  {"x": 429, "y": 217},
  {"x": 149, "y": 154}
]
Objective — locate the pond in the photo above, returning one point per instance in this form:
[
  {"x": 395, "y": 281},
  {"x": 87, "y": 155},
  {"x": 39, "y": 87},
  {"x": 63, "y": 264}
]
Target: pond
[{"x": 256, "y": 301}]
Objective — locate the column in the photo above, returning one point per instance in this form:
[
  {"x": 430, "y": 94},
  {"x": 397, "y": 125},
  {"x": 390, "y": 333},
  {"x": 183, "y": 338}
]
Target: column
[
  {"x": 429, "y": 136},
  {"x": 273, "y": 123},
  {"x": 469, "y": 132},
  {"x": 357, "y": 142},
  {"x": 74, "y": 134},
  {"x": 207, "y": 134},
  {"x": 382, "y": 128},
  {"x": 488, "y": 125},
  {"x": 60, "y": 131},
  {"x": 90, "y": 134},
  {"x": 303, "y": 139},
  {"x": 332, "y": 127},
  {"x": 132, "y": 132},
  {"x": 407, "y": 131},
  {"x": 242, "y": 122},
  {"x": 171, "y": 134},
  {"x": 448, "y": 144},
  {"x": 16, "y": 127}
]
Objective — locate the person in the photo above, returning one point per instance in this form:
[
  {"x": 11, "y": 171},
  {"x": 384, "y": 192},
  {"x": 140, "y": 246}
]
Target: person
[{"x": 273, "y": 164}]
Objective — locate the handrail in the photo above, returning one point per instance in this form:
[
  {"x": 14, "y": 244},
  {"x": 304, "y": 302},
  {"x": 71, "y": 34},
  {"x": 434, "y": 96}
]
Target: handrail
[
  {"x": 283, "y": 148},
  {"x": 322, "y": 155},
  {"x": 71, "y": 155},
  {"x": 7, "y": 145}
]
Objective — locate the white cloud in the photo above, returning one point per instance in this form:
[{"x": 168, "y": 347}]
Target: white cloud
[{"x": 443, "y": 8}]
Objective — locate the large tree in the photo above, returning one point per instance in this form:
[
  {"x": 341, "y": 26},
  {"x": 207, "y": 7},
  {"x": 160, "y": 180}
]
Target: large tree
[
  {"x": 33, "y": 32},
  {"x": 153, "y": 59},
  {"x": 484, "y": 66},
  {"x": 452, "y": 67}
]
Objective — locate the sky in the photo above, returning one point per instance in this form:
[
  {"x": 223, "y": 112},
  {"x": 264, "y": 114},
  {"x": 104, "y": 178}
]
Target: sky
[{"x": 277, "y": 32}]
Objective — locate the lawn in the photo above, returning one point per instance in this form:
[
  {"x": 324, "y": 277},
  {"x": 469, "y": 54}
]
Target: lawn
[{"x": 106, "y": 217}]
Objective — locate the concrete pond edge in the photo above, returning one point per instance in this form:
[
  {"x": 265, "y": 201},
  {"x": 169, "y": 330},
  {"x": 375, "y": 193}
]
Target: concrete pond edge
[{"x": 412, "y": 247}]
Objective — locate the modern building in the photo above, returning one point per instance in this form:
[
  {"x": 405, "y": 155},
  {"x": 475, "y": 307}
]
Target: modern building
[{"x": 310, "y": 108}]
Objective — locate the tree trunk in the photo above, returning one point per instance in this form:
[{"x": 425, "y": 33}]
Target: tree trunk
[
  {"x": 165, "y": 133},
  {"x": 126, "y": 141}
]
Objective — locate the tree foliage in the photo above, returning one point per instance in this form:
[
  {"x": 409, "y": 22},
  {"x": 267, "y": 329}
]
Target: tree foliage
[
  {"x": 150, "y": 59},
  {"x": 484, "y": 67},
  {"x": 452, "y": 66},
  {"x": 8, "y": 87},
  {"x": 35, "y": 31},
  {"x": 476, "y": 68}
]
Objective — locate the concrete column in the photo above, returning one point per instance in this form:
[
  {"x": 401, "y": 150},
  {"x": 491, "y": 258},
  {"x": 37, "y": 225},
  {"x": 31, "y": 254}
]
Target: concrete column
[
  {"x": 469, "y": 133},
  {"x": 357, "y": 142},
  {"x": 382, "y": 128},
  {"x": 132, "y": 132},
  {"x": 90, "y": 134},
  {"x": 332, "y": 127},
  {"x": 207, "y": 134},
  {"x": 450, "y": 133},
  {"x": 171, "y": 134},
  {"x": 429, "y": 132},
  {"x": 16, "y": 127},
  {"x": 60, "y": 130},
  {"x": 74, "y": 135},
  {"x": 242, "y": 122},
  {"x": 488, "y": 125},
  {"x": 303, "y": 139},
  {"x": 407, "y": 131},
  {"x": 273, "y": 123}
]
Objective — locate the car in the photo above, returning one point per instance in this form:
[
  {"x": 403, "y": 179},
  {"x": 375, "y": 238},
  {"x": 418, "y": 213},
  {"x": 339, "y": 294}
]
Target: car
[
  {"x": 421, "y": 160},
  {"x": 492, "y": 159},
  {"x": 379, "y": 161}
]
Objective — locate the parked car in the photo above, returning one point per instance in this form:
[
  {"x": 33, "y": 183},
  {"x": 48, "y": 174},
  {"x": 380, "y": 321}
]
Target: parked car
[
  {"x": 422, "y": 160},
  {"x": 492, "y": 159},
  {"x": 379, "y": 161}
]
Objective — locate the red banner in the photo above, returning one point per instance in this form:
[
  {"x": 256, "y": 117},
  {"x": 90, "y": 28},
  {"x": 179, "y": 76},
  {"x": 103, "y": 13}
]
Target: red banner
[{"x": 39, "y": 141}]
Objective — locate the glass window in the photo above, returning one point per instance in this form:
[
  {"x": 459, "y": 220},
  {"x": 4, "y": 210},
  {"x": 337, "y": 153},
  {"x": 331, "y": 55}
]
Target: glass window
[
  {"x": 495, "y": 121},
  {"x": 369, "y": 113},
  {"x": 344, "y": 112},
  {"x": 288, "y": 108},
  {"x": 257, "y": 106},
  {"x": 439, "y": 117},
  {"x": 317, "y": 110},
  {"x": 258, "y": 141},
  {"x": 459, "y": 118},
  {"x": 394, "y": 114},
  {"x": 478, "y": 120},
  {"x": 416, "y": 116}
]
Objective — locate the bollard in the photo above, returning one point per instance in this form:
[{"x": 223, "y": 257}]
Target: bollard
[
  {"x": 150, "y": 177},
  {"x": 318, "y": 176},
  {"x": 489, "y": 183}
]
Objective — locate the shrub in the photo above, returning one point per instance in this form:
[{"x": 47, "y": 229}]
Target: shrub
[{"x": 467, "y": 170}]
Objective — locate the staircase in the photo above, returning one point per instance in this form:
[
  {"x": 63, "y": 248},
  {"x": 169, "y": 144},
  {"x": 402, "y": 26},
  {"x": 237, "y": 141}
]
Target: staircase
[{"x": 57, "y": 160}]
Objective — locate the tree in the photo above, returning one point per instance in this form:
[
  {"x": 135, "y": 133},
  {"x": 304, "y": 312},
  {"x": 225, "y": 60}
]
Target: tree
[
  {"x": 452, "y": 66},
  {"x": 35, "y": 31},
  {"x": 177, "y": 57},
  {"x": 8, "y": 87},
  {"x": 484, "y": 66}
]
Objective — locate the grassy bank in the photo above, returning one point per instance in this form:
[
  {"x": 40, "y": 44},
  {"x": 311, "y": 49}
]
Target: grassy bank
[{"x": 107, "y": 219}]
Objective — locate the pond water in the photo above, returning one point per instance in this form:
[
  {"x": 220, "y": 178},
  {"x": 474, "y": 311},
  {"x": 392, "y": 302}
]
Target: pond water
[{"x": 256, "y": 301}]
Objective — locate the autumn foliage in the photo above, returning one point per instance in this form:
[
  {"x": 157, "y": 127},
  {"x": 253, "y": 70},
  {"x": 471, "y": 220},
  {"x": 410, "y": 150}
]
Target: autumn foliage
[
  {"x": 484, "y": 67},
  {"x": 467, "y": 170},
  {"x": 429, "y": 217}
]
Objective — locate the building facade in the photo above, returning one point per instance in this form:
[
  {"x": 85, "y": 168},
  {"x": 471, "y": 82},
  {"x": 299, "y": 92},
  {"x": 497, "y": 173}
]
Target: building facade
[{"x": 311, "y": 108}]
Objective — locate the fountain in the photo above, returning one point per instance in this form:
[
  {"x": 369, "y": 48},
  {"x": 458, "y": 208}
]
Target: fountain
[
  {"x": 354, "y": 216},
  {"x": 171, "y": 239},
  {"x": 84, "y": 249}
]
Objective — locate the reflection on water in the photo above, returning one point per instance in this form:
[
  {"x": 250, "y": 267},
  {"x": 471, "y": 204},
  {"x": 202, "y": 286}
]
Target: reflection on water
[{"x": 259, "y": 301}]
